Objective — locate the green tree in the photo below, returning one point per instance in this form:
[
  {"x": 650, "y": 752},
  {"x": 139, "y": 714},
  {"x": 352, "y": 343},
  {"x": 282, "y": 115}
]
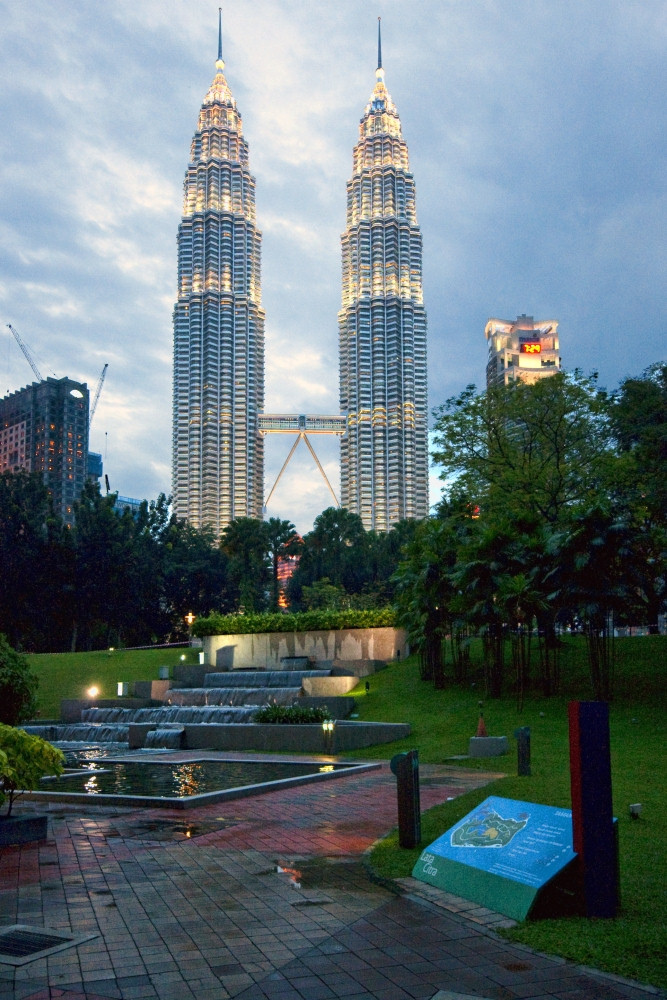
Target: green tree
[
  {"x": 639, "y": 480},
  {"x": 282, "y": 540},
  {"x": 18, "y": 686},
  {"x": 244, "y": 542},
  {"x": 527, "y": 450},
  {"x": 25, "y": 510},
  {"x": 194, "y": 575},
  {"x": 336, "y": 550},
  {"x": 110, "y": 591},
  {"x": 24, "y": 760},
  {"x": 324, "y": 594},
  {"x": 593, "y": 577}
]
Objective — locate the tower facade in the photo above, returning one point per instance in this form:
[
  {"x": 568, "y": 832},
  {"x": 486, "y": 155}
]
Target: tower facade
[
  {"x": 218, "y": 458},
  {"x": 523, "y": 348},
  {"x": 382, "y": 327}
]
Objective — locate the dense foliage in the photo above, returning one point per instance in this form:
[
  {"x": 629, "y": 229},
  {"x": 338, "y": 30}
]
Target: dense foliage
[
  {"x": 553, "y": 517},
  {"x": 24, "y": 760},
  {"x": 123, "y": 579},
  {"x": 291, "y": 715},
  {"x": 303, "y": 621},
  {"x": 18, "y": 686}
]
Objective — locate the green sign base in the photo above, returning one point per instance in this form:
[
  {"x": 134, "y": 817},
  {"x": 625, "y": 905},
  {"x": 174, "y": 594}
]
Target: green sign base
[
  {"x": 557, "y": 898},
  {"x": 513, "y": 857}
]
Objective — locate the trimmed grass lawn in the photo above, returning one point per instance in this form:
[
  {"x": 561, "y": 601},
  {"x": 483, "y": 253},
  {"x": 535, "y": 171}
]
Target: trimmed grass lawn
[{"x": 69, "y": 675}]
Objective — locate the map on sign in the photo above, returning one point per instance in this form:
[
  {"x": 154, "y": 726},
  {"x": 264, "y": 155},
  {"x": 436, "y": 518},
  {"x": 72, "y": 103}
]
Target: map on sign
[
  {"x": 521, "y": 841},
  {"x": 487, "y": 829},
  {"x": 503, "y": 854}
]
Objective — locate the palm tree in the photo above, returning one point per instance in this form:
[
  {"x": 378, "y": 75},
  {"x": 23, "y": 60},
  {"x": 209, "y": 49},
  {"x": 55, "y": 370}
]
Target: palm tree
[{"x": 282, "y": 540}]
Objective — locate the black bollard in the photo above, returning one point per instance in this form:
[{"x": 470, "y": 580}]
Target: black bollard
[
  {"x": 523, "y": 750},
  {"x": 406, "y": 768}
]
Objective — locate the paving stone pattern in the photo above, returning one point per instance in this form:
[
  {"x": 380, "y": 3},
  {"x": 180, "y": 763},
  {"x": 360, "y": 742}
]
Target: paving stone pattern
[{"x": 193, "y": 907}]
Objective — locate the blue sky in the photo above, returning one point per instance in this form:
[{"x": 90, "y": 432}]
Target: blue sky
[{"x": 537, "y": 139}]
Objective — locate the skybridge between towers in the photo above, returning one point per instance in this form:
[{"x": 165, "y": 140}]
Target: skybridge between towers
[{"x": 301, "y": 425}]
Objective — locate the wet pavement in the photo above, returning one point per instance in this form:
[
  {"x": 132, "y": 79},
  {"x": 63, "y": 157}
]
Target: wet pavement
[{"x": 262, "y": 898}]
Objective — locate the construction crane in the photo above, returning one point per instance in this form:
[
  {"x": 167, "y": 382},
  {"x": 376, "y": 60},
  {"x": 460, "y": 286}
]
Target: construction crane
[
  {"x": 97, "y": 395},
  {"x": 26, "y": 353}
]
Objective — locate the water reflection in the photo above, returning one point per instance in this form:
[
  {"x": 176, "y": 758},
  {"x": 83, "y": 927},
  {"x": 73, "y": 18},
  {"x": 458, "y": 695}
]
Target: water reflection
[{"x": 168, "y": 779}]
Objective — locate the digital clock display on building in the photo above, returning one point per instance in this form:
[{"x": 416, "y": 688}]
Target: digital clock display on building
[{"x": 531, "y": 347}]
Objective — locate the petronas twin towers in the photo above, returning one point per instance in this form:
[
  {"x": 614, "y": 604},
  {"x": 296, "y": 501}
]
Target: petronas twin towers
[{"x": 218, "y": 467}]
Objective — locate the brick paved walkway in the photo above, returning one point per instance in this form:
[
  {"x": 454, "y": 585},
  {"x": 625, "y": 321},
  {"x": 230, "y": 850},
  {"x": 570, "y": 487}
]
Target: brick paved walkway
[{"x": 192, "y": 905}]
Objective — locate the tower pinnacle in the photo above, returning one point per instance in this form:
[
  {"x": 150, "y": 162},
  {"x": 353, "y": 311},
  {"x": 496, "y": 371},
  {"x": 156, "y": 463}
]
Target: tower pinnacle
[
  {"x": 219, "y": 61},
  {"x": 379, "y": 44}
]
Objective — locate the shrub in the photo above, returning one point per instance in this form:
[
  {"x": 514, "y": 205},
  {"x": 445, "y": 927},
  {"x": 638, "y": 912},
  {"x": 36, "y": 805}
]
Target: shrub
[
  {"x": 320, "y": 620},
  {"x": 24, "y": 759},
  {"x": 18, "y": 686},
  {"x": 291, "y": 715}
]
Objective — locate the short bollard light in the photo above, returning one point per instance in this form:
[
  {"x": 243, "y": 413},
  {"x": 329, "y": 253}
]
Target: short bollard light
[
  {"x": 522, "y": 736},
  {"x": 122, "y": 688},
  {"x": 328, "y": 732},
  {"x": 406, "y": 768}
]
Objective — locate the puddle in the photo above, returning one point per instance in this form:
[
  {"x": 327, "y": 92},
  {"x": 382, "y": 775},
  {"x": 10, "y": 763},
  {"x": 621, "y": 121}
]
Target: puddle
[{"x": 167, "y": 830}]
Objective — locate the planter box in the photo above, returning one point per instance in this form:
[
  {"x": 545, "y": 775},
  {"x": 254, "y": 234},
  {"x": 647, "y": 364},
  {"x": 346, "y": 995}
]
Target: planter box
[
  {"x": 488, "y": 746},
  {"x": 22, "y": 829}
]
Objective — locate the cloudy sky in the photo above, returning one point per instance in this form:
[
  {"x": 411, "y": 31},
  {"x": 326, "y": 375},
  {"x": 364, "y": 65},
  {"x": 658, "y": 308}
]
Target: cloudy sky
[{"x": 537, "y": 139}]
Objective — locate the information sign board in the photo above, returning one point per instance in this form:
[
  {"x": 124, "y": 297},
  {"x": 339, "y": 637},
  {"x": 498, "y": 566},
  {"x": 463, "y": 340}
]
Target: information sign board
[{"x": 502, "y": 854}]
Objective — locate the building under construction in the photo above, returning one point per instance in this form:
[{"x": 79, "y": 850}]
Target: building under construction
[{"x": 44, "y": 429}]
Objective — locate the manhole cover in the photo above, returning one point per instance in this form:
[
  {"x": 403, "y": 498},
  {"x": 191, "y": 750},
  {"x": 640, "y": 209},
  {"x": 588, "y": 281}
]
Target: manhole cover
[{"x": 20, "y": 943}]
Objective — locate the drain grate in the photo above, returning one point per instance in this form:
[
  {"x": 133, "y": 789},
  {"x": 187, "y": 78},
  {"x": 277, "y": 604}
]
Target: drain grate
[{"x": 20, "y": 943}]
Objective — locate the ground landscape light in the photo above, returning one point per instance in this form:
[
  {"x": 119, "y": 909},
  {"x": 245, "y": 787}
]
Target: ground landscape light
[{"x": 93, "y": 691}]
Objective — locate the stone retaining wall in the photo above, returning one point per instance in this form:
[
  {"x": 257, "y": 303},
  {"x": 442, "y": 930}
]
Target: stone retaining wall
[
  {"x": 265, "y": 650},
  {"x": 278, "y": 738}
]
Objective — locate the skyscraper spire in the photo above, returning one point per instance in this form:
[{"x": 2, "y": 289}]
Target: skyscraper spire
[
  {"x": 382, "y": 327},
  {"x": 218, "y": 466},
  {"x": 379, "y": 44}
]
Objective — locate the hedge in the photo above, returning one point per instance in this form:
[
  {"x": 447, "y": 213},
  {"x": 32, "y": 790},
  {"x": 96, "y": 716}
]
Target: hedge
[{"x": 302, "y": 621}]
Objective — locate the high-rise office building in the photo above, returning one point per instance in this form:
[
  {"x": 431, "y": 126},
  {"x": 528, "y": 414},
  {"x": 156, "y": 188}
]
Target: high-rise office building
[
  {"x": 382, "y": 327},
  {"x": 44, "y": 429},
  {"x": 218, "y": 467},
  {"x": 521, "y": 349}
]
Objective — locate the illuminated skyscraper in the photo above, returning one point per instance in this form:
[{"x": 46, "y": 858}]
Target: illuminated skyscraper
[
  {"x": 523, "y": 348},
  {"x": 218, "y": 466},
  {"x": 382, "y": 327}
]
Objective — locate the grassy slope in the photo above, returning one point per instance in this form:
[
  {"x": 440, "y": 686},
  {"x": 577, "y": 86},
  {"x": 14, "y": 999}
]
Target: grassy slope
[
  {"x": 634, "y": 944},
  {"x": 68, "y": 675}
]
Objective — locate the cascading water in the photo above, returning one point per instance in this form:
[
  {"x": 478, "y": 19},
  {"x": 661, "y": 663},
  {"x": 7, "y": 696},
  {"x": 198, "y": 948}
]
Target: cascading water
[{"x": 227, "y": 697}]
